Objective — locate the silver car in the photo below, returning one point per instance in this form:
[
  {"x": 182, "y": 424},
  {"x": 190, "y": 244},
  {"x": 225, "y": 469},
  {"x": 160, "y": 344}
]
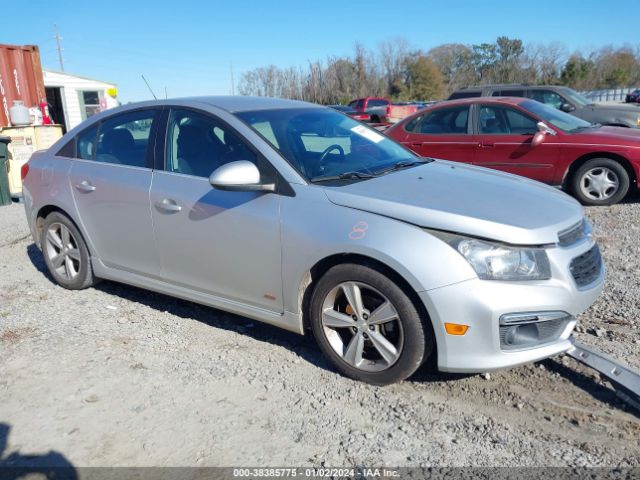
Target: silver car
[{"x": 301, "y": 217}]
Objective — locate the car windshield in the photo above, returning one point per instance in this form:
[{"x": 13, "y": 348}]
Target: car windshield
[
  {"x": 563, "y": 121},
  {"x": 576, "y": 97},
  {"x": 325, "y": 145}
]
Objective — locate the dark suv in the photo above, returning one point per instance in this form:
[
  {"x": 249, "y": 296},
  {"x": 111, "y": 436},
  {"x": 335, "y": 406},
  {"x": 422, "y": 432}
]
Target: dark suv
[{"x": 562, "y": 98}]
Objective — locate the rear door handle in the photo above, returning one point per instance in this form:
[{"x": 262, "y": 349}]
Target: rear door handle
[
  {"x": 168, "y": 205},
  {"x": 85, "y": 186},
  {"x": 416, "y": 144},
  {"x": 485, "y": 145}
]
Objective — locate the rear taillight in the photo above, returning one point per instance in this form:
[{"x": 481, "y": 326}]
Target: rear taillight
[
  {"x": 24, "y": 171},
  {"x": 388, "y": 110}
]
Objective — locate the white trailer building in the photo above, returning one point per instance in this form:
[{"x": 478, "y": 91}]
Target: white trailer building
[{"x": 73, "y": 99}]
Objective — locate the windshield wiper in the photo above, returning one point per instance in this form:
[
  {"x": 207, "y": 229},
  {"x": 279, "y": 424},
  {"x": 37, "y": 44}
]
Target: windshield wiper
[
  {"x": 342, "y": 176},
  {"x": 404, "y": 164}
]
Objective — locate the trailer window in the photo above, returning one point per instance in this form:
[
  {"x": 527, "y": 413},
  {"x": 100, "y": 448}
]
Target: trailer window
[{"x": 89, "y": 103}]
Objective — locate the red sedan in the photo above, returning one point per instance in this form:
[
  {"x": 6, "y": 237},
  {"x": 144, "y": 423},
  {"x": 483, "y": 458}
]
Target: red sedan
[{"x": 598, "y": 165}]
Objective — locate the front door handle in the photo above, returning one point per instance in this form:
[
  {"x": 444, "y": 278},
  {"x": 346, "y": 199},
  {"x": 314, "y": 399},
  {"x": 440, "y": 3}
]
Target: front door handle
[
  {"x": 85, "y": 186},
  {"x": 416, "y": 144},
  {"x": 485, "y": 145},
  {"x": 168, "y": 205}
]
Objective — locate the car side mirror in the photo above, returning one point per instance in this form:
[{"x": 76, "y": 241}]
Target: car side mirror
[
  {"x": 541, "y": 134},
  {"x": 567, "y": 107},
  {"x": 241, "y": 175}
]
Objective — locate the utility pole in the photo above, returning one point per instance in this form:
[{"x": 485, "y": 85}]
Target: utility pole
[
  {"x": 233, "y": 87},
  {"x": 58, "y": 38}
]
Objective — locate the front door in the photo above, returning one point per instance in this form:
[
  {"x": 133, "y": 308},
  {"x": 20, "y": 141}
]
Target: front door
[
  {"x": 503, "y": 142},
  {"x": 221, "y": 243},
  {"x": 110, "y": 180}
]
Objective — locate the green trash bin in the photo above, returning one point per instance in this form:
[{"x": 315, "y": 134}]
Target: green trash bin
[{"x": 5, "y": 194}]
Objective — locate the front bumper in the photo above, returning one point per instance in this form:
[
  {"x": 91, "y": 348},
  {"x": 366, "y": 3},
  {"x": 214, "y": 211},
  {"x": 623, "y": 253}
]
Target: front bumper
[{"x": 480, "y": 304}]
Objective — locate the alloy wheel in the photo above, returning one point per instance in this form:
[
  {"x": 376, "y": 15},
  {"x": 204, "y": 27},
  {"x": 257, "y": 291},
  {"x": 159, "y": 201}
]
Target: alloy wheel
[
  {"x": 362, "y": 326},
  {"x": 62, "y": 251}
]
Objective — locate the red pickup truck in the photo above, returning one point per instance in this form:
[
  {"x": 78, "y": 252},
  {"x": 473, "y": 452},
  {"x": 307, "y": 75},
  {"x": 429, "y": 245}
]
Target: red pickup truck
[{"x": 381, "y": 110}]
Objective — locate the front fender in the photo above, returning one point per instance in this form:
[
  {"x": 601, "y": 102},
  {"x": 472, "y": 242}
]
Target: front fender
[{"x": 313, "y": 229}]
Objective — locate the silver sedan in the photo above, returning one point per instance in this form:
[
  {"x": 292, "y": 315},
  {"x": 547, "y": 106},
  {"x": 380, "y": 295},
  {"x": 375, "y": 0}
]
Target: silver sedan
[{"x": 299, "y": 216}]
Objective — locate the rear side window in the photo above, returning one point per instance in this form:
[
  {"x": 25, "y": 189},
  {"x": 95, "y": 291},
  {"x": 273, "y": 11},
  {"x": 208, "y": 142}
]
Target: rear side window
[
  {"x": 444, "y": 121},
  {"x": 69, "y": 150},
  {"x": 123, "y": 139},
  {"x": 86, "y": 143},
  {"x": 508, "y": 93},
  {"x": 457, "y": 95},
  {"x": 376, "y": 102}
]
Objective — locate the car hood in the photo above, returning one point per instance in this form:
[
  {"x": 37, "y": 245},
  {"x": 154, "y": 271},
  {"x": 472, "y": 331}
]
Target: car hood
[
  {"x": 465, "y": 199},
  {"x": 634, "y": 109},
  {"x": 614, "y": 135}
]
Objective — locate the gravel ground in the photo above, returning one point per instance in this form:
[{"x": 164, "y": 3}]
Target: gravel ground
[{"x": 120, "y": 376}]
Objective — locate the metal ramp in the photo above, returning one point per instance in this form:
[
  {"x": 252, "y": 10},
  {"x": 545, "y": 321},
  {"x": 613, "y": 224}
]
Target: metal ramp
[{"x": 625, "y": 380}]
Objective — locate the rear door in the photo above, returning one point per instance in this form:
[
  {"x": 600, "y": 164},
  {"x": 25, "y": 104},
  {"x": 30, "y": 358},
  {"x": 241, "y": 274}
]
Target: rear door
[
  {"x": 221, "y": 243},
  {"x": 442, "y": 133},
  {"x": 503, "y": 142},
  {"x": 110, "y": 180}
]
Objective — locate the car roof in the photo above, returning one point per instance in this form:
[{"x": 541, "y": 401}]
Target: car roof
[
  {"x": 507, "y": 86},
  {"x": 229, "y": 103},
  {"x": 471, "y": 100}
]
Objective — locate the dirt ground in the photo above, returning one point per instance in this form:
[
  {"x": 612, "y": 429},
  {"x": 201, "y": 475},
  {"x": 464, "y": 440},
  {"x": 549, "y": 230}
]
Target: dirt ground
[{"x": 118, "y": 376}]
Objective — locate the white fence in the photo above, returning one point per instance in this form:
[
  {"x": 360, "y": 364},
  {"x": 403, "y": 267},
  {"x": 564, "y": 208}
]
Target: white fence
[{"x": 613, "y": 95}]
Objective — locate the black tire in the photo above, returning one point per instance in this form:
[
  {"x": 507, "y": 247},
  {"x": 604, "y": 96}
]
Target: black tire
[
  {"x": 417, "y": 343},
  {"x": 84, "y": 276},
  {"x": 375, "y": 119},
  {"x": 614, "y": 170}
]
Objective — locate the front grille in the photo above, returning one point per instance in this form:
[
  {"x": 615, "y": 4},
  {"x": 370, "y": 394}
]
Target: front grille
[
  {"x": 586, "y": 268},
  {"x": 572, "y": 234},
  {"x": 532, "y": 335}
]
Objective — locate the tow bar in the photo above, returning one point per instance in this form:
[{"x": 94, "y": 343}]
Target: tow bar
[{"x": 625, "y": 381}]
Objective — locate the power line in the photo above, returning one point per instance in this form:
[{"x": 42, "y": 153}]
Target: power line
[
  {"x": 59, "y": 48},
  {"x": 233, "y": 88}
]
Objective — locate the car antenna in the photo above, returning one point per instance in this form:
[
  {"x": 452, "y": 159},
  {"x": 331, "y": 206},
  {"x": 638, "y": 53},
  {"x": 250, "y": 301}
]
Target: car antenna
[{"x": 149, "y": 87}]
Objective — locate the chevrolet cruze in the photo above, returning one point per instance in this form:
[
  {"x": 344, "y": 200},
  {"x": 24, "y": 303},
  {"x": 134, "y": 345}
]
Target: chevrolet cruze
[{"x": 301, "y": 217}]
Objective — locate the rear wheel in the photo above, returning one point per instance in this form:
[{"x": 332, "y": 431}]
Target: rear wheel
[
  {"x": 600, "y": 181},
  {"x": 367, "y": 326},
  {"x": 65, "y": 253}
]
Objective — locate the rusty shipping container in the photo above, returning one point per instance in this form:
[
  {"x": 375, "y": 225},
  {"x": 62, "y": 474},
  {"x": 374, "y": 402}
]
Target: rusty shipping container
[{"x": 20, "y": 78}]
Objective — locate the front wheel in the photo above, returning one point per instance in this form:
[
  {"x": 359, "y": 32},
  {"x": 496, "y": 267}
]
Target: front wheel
[
  {"x": 600, "y": 181},
  {"x": 367, "y": 326}
]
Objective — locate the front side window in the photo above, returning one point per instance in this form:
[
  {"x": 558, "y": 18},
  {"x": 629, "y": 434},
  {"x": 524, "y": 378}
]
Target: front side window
[
  {"x": 197, "y": 144},
  {"x": 321, "y": 142},
  {"x": 443, "y": 121},
  {"x": 124, "y": 139},
  {"x": 494, "y": 120},
  {"x": 548, "y": 98}
]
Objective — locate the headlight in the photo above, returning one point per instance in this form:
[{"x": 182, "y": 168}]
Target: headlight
[{"x": 494, "y": 261}]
